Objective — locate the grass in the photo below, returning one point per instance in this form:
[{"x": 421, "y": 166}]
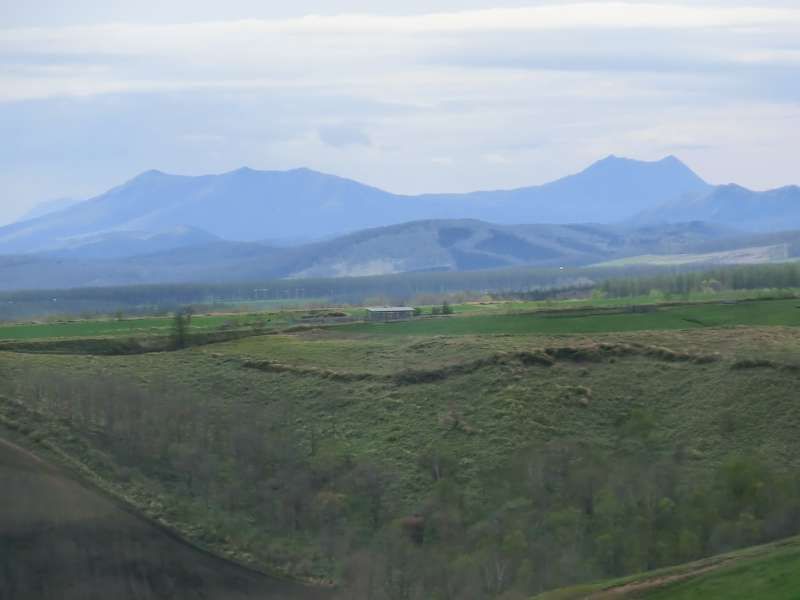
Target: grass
[
  {"x": 774, "y": 577},
  {"x": 685, "y": 316},
  {"x": 503, "y": 317},
  {"x": 144, "y": 327},
  {"x": 768, "y": 572},
  {"x": 482, "y": 414},
  {"x": 508, "y": 405}
]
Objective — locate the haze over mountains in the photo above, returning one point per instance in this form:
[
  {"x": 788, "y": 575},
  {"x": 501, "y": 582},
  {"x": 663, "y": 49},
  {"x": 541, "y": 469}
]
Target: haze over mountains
[
  {"x": 47, "y": 207},
  {"x": 735, "y": 206},
  {"x": 434, "y": 245},
  {"x": 248, "y": 205},
  {"x": 159, "y": 227}
]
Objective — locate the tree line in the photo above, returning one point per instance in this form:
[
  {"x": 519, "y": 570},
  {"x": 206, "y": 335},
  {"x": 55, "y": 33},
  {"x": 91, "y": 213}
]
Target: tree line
[{"x": 746, "y": 277}]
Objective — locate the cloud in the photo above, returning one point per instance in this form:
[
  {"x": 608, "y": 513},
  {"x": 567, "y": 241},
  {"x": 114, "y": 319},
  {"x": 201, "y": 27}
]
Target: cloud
[
  {"x": 340, "y": 135},
  {"x": 203, "y": 138},
  {"x": 362, "y": 52},
  {"x": 578, "y": 15},
  {"x": 494, "y": 158}
]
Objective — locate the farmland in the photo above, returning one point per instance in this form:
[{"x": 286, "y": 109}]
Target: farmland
[
  {"x": 127, "y": 327},
  {"x": 297, "y": 449},
  {"x": 519, "y": 318},
  {"x": 684, "y": 316}
]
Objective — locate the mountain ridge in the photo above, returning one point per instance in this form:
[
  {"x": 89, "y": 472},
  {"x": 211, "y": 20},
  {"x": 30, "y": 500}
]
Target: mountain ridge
[
  {"x": 427, "y": 245},
  {"x": 731, "y": 204},
  {"x": 248, "y": 205}
]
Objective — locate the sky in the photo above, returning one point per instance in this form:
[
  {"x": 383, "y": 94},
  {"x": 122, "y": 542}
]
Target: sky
[{"x": 455, "y": 95}]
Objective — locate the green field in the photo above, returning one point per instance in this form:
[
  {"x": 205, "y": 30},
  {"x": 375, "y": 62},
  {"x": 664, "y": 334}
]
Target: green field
[
  {"x": 769, "y": 572},
  {"x": 304, "y": 449},
  {"x": 687, "y": 316},
  {"x": 144, "y": 327},
  {"x": 542, "y": 317},
  {"x": 776, "y": 577}
]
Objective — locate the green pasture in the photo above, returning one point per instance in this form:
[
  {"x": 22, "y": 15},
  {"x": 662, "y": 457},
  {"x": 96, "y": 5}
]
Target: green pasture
[
  {"x": 144, "y": 327},
  {"x": 688, "y": 316}
]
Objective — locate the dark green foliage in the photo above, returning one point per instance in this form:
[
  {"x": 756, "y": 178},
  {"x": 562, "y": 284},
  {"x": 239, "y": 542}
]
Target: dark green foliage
[{"x": 180, "y": 325}]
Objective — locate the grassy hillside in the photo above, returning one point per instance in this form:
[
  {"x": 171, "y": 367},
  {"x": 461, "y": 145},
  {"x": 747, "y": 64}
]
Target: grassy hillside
[
  {"x": 394, "y": 455},
  {"x": 768, "y": 572}
]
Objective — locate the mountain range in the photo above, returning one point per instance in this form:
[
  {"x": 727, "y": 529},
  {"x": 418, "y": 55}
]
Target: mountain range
[
  {"x": 249, "y": 205},
  {"x": 168, "y": 228}
]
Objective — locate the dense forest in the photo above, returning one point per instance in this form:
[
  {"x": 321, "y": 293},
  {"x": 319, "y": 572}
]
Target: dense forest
[{"x": 557, "y": 513}]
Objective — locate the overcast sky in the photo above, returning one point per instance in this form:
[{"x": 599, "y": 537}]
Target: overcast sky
[{"x": 436, "y": 96}]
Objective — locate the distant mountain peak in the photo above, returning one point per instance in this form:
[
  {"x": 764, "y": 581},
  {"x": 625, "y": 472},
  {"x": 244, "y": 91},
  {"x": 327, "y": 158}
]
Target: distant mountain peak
[
  {"x": 614, "y": 159},
  {"x": 244, "y": 170},
  {"x": 673, "y": 161},
  {"x": 668, "y": 168},
  {"x": 611, "y": 159},
  {"x": 150, "y": 175}
]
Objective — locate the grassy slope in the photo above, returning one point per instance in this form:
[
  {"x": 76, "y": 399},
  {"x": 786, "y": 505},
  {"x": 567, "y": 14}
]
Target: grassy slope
[
  {"x": 712, "y": 410},
  {"x": 504, "y": 406},
  {"x": 768, "y": 572},
  {"x": 776, "y": 577}
]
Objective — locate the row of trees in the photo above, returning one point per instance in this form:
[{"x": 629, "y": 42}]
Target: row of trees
[{"x": 750, "y": 277}]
